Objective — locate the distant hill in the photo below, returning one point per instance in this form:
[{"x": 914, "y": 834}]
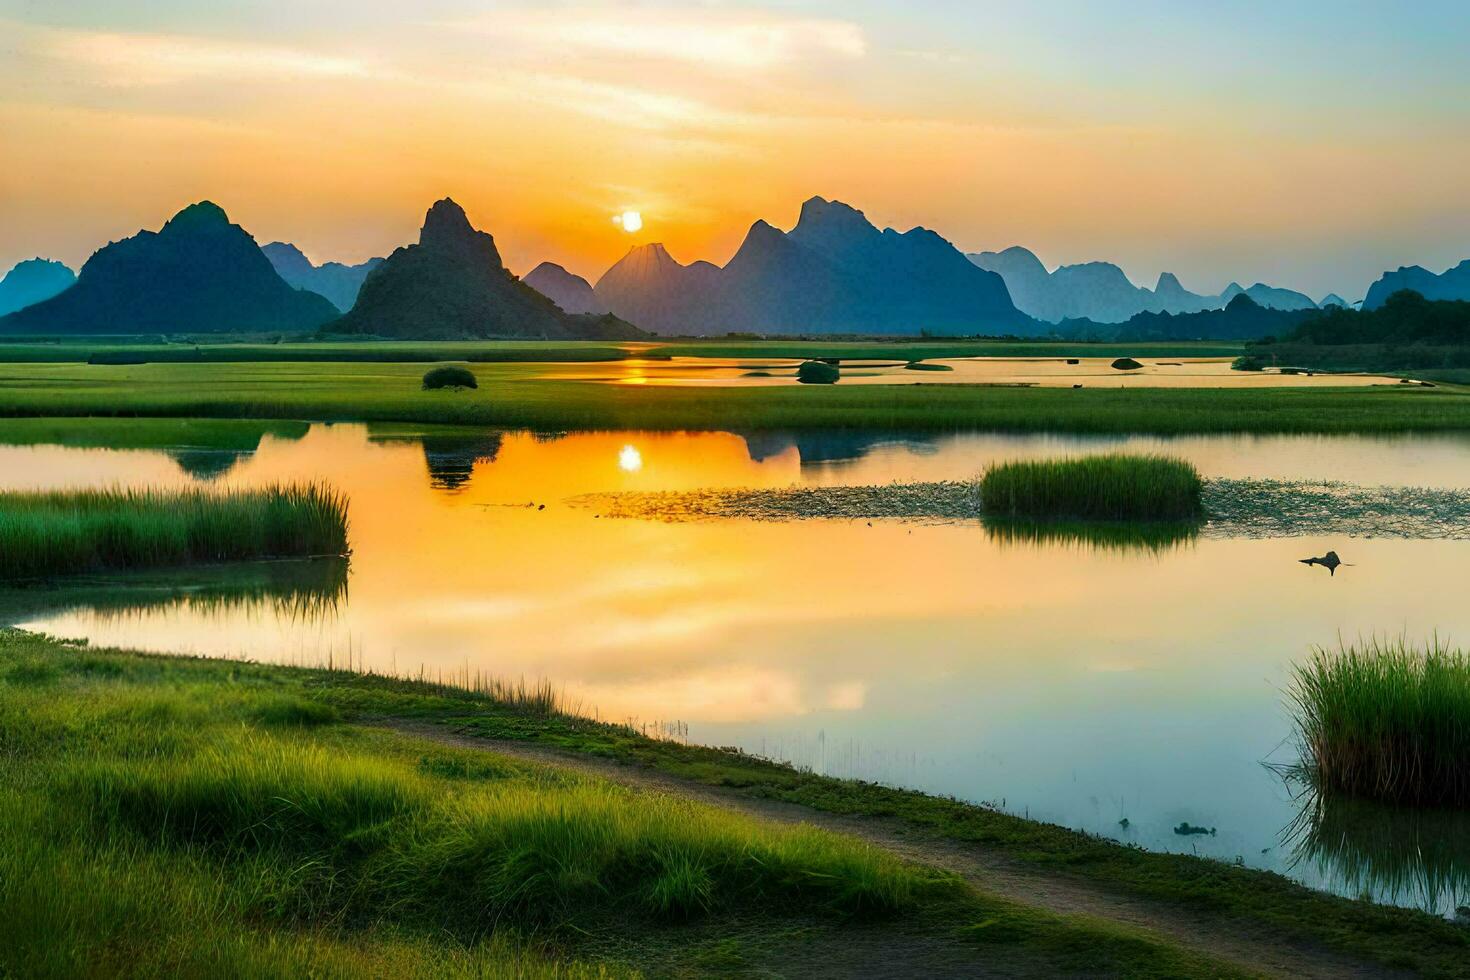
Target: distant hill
[
  {"x": 1102, "y": 293},
  {"x": 337, "y": 282},
  {"x": 452, "y": 285},
  {"x": 834, "y": 272},
  {"x": 1270, "y": 297},
  {"x": 32, "y": 281},
  {"x": 1332, "y": 299},
  {"x": 1241, "y": 319},
  {"x": 1451, "y": 284},
  {"x": 569, "y": 291},
  {"x": 199, "y": 273}
]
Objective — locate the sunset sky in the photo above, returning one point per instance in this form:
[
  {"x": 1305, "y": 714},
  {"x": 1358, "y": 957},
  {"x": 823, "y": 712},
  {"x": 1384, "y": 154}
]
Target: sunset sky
[{"x": 1308, "y": 144}]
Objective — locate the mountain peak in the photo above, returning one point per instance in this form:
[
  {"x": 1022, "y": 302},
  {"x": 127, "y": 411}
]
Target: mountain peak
[
  {"x": 1168, "y": 282},
  {"x": 204, "y": 214},
  {"x": 446, "y": 221}
]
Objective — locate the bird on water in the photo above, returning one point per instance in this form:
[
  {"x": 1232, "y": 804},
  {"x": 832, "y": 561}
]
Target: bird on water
[{"x": 1329, "y": 561}]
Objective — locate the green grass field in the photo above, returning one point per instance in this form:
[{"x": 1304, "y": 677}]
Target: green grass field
[
  {"x": 518, "y": 396},
  {"x": 167, "y": 816}
]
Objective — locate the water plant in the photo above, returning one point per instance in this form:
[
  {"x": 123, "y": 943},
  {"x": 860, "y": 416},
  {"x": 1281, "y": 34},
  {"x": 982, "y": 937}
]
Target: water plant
[
  {"x": 1386, "y": 720},
  {"x": 1112, "y": 487},
  {"x": 449, "y": 376},
  {"x": 71, "y": 532}
]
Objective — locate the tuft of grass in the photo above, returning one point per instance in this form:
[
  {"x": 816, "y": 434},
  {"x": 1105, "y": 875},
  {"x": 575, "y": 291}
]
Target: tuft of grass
[
  {"x": 1386, "y": 720},
  {"x": 71, "y": 532},
  {"x": 1114, "y": 487},
  {"x": 449, "y": 376}
]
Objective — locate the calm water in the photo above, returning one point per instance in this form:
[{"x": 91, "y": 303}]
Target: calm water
[
  {"x": 1074, "y": 685},
  {"x": 1047, "y": 372}
]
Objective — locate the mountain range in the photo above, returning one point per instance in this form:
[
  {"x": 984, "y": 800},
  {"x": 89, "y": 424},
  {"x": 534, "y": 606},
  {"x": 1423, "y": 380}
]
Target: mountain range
[
  {"x": 569, "y": 291},
  {"x": 452, "y": 285},
  {"x": 1451, "y": 284},
  {"x": 32, "y": 281},
  {"x": 337, "y": 282},
  {"x": 834, "y": 272},
  {"x": 199, "y": 272},
  {"x": 1102, "y": 293}
]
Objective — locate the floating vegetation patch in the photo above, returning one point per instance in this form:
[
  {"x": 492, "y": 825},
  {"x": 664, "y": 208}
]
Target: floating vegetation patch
[
  {"x": 1230, "y": 509},
  {"x": 1111, "y": 487},
  {"x": 1275, "y": 509}
]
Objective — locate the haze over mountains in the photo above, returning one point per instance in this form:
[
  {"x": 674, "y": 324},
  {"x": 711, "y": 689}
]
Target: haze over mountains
[
  {"x": 569, "y": 291},
  {"x": 198, "y": 272},
  {"x": 32, "y": 281},
  {"x": 337, "y": 282},
  {"x": 834, "y": 272},
  {"x": 452, "y": 285},
  {"x": 1101, "y": 292}
]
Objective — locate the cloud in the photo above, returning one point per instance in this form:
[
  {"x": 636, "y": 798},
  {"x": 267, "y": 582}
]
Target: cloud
[
  {"x": 160, "y": 59},
  {"x": 716, "y": 39}
]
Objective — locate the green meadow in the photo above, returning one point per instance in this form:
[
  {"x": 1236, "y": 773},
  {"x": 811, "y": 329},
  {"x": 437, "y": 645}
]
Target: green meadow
[{"x": 516, "y": 395}]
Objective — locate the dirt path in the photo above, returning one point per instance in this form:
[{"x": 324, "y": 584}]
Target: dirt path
[{"x": 1248, "y": 945}]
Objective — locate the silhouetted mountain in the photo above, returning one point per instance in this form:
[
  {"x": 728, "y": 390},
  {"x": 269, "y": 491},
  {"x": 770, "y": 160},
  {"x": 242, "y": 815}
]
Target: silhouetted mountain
[
  {"x": 569, "y": 291},
  {"x": 1451, "y": 284},
  {"x": 1241, "y": 319},
  {"x": 1406, "y": 321},
  {"x": 32, "y": 281},
  {"x": 199, "y": 273},
  {"x": 1271, "y": 297},
  {"x": 1332, "y": 299},
  {"x": 452, "y": 285},
  {"x": 833, "y": 273},
  {"x": 337, "y": 282},
  {"x": 1097, "y": 291}
]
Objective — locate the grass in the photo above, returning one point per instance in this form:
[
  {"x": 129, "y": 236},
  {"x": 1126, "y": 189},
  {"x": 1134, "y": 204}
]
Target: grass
[
  {"x": 169, "y": 816},
  {"x": 1113, "y": 487},
  {"x": 73, "y": 532},
  {"x": 520, "y": 396},
  {"x": 1386, "y": 720}
]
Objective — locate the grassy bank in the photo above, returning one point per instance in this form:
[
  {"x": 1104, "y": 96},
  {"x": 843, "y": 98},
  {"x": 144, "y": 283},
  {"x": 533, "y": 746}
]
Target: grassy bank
[
  {"x": 181, "y": 817},
  {"x": 519, "y": 396},
  {"x": 74, "y": 532},
  {"x": 1114, "y": 487},
  {"x": 1388, "y": 721}
]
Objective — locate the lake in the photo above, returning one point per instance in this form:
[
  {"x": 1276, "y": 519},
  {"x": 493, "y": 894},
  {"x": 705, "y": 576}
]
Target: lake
[{"x": 1071, "y": 684}]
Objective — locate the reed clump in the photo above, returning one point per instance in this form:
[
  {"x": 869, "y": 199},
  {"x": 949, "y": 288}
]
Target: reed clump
[
  {"x": 1387, "y": 720},
  {"x": 80, "y": 531},
  {"x": 1113, "y": 487},
  {"x": 449, "y": 376}
]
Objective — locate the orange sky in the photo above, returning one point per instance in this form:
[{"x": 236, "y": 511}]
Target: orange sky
[{"x": 1336, "y": 150}]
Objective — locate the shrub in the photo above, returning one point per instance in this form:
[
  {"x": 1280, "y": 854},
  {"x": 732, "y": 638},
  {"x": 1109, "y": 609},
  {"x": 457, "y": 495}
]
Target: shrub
[
  {"x": 449, "y": 376},
  {"x": 1126, "y": 364},
  {"x": 1248, "y": 362},
  {"x": 818, "y": 373},
  {"x": 1114, "y": 487}
]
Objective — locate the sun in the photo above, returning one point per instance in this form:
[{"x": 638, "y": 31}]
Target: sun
[
  {"x": 629, "y": 221},
  {"x": 630, "y": 459}
]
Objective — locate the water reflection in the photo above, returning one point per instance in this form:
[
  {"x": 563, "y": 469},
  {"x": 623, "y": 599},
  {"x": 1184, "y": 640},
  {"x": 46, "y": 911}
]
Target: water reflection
[
  {"x": 451, "y": 459},
  {"x": 302, "y": 591},
  {"x": 1155, "y": 537},
  {"x": 832, "y": 446},
  {"x": 1399, "y": 855},
  {"x": 206, "y": 464}
]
